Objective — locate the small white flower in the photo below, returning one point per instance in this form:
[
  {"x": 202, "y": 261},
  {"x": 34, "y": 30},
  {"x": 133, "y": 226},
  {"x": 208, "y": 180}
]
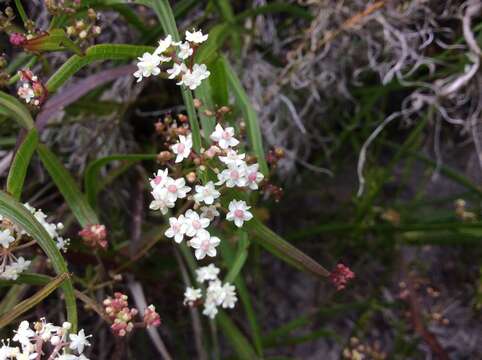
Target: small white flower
[
  {"x": 253, "y": 176},
  {"x": 233, "y": 158},
  {"x": 210, "y": 310},
  {"x": 177, "y": 228},
  {"x": 164, "y": 44},
  {"x": 176, "y": 70},
  {"x": 230, "y": 297},
  {"x": 176, "y": 189},
  {"x": 182, "y": 148},
  {"x": 23, "y": 334},
  {"x": 238, "y": 212},
  {"x": 209, "y": 212},
  {"x": 79, "y": 341},
  {"x": 185, "y": 50},
  {"x": 192, "y": 79},
  {"x": 206, "y": 273},
  {"x": 194, "y": 223},
  {"x": 224, "y": 137},
  {"x": 215, "y": 292},
  {"x": 148, "y": 65},
  {"x": 232, "y": 176},
  {"x": 26, "y": 93},
  {"x": 6, "y": 238},
  {"x": 162, "y": 201},
  {"x": 191, "y": 295},
  {"x": 196, "y": 37},
  {"x": 159, "y": 179},
  {"x": 204, "y": 244},
  {"x": 206, "y": 193}
]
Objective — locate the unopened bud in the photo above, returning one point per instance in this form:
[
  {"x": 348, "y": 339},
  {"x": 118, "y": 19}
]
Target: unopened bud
[
  {"x": 208, "y": 112},
  {"x": 182, "y": 118},
  {"x": 224, "y": 110},
  {"x": 279, "y": 152},
  {"x": 197, "y": 103},
  {"x": 164, "y": 156},
  {"x": 191, "y": 177}
]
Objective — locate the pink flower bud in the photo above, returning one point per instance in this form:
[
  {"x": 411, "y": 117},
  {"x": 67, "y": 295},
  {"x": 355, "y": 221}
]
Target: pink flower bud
[
  {"x": 341, "y": 275},
  {"x": 95, "y": 236},
  {"x": 17, "y": 39},
  {"x": 151, "y": 317}
]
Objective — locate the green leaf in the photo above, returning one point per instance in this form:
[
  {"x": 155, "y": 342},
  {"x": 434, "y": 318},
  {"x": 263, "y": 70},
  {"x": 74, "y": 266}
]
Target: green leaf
[
  {"x": 93, "y": 54},
  {"x": 219, "y": 82},
  {"x": 91, "y": 176},
  {"x": 254, "y": 131},
  {"x": 68, "y": 187},
  {"x": 29, "y": 303},
  {"x": 16, "y": 110},
  {"x": 21, "y": 161},
  {"x": 28, "y": 279},
  {"x": 240, "y": 344},
  {"x": 283, "y": 249},
  {"x": 53, "y": 40},
  {"x": 21, "y": 11},
  {"x": 240, "y": 258},
  {"x": 20, "y": 216}
]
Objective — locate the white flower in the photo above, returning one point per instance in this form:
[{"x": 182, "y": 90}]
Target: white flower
[
  {"x": 185, "y": 50},
  {"x": 191, "y": 295},
  {"x": 79, "y": 341},
  {"x": 195, "y": 223},
  {"x": 224, "y": 137},
  {"x": 196, "y": 37},
  {"x": 210, "y": 310},
  {"x": 233, "y": 158},
  {"x": 161, "y": 200},
  {"x": 206, "y": 193},
  {"x": 164, "y": 44},
  {"x": 204, "y": 244},
  {"x": 209, "y": 212},
  {"x": 176, "y": 189},
  {"x": 238, "y": 212},
  {"x": 23, "y": 334},
  {"x": 232, "y": 176},
  {"x": 177, "y": 228},
  {"x": 230, "y": 297},
  {"x": 148, "y": 65},
  {"x": 176, "y": 70},
  {"x": 206, "y": 273},
  {"x": 253, "y": 176},
  {"x": 14, "y": 269},
  {"x": 159, "y": 179},
  {"x": 192, "y": 79},
  {"x": 182, "y": 148},
  {"x": 215, "y": 292},
  {"x": 6, "y": 238},
  {"x": 26, "y": 93}
]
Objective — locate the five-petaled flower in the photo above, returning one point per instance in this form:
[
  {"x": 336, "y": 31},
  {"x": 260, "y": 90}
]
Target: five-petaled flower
[{"x": 238, "y": 212}]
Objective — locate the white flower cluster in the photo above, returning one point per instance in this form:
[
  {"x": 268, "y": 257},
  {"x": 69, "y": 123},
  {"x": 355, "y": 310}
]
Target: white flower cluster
[
  {"x": 10, "y": 265},
  {"x": 177, "y": 54},
  {"x": 216, "y": 294},
  {"x": 51, "y": 228},
  {"x": 166, "y": 191},
  {"x": 34, "y": 341}
]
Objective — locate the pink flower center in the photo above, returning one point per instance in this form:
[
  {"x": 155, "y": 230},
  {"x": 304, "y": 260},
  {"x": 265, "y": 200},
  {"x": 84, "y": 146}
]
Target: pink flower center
[
  {"x": 172, "y": 188},
  {"x": 180, "y": 147},
  {"x": 157, "y": 180},
  {"x": 226, "y": 135},
  {"x": 205, "y": 245},
  {"x": 239, "y": 213},
  {"x": 234, "y": 174},
  {"x": 196, "y": 224},
  {"x": 252, "y": 177}
]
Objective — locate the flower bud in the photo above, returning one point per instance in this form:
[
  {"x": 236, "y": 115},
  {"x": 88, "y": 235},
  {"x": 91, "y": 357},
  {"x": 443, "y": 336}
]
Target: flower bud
[{"x": 197, "y": 103}]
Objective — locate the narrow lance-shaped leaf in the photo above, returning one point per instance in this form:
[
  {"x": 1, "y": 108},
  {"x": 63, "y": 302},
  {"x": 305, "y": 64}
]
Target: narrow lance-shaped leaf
[
  {"x": 21, "y": 161},
  {"x": 283, "y": 249},
  {"x": 68, "y": 187},
  {"x": 240, "y": 344},
  {"x": 29, "y": 303},
  {"x": 16, "y": 110},
  {"x": 20, "y": 216}
]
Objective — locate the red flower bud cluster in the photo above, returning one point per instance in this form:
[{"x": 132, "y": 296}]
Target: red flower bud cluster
[
  {"x": 94, "y": 236},
  {"x": 341, "y": 275}
]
